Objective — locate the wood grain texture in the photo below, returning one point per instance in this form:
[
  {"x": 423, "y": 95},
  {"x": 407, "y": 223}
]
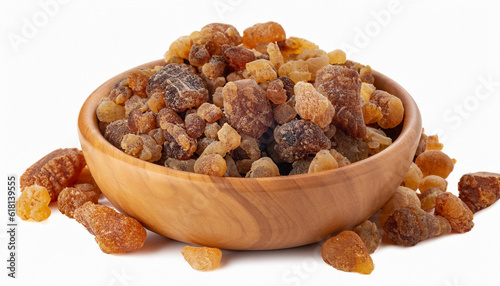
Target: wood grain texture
[{"x": 247, "y": 213}]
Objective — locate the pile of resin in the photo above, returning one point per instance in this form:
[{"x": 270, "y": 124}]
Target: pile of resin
[{"x": 256, "y": 105}]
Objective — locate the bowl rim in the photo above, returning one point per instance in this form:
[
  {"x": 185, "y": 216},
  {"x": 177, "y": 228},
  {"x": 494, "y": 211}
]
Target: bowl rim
[{"x": 88, "y": 130}]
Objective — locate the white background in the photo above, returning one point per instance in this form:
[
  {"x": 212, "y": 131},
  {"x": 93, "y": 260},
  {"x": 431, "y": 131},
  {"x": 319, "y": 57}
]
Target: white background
[{"x": 446, "y": 54}]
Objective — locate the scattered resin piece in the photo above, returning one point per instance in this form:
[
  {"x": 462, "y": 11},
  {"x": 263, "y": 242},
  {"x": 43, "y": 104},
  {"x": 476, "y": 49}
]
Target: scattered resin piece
[
  {"x": 312, "y": 105},
  {"x": 479, "y": 190},
  {"x": 369, "y": 234},
  {"x": 263, "y": 33},
  {"x": 181, "y": 89},
  {"x": 323, "y": 161},
  {"x": 195, "y": 125},
  {"x": 371, "y": 113},
  {"x": 71, "y": 198},
  {"x": 275, "y": 56},
  {"x": 115, "y": 131},
  {"x": 354, "y": 149},
  {"x": 211, "y": 130},
  {"x": 428, "y": 198},
  {"x": 142, "y": 146},
  {"x": 284, "y": 113},
  {"x": 403, "y": 197},
  {"x": 211, "y": 164},
  {"x": 263, "y": 167},
  {"x": 432, "y": 181},
  {"x": 179, "y": 48},
  {"x": 121, "y": 92},
  {"x": 198, "y": 55},
  {"x": 261, "y": 70},
  {"x": 141, "y": 123},
  {"x": 347, "y": 252},
  {"x": 410, "y": 225},
  {"x": 137, "y": 102},
  {"x": 229, "y": 137},
  {"x": 178, "y": 144},
  {"x": 391, "y": 107},
  {"x": 433, "y": 143},
  {"x": 108, "y": 111},
  {"x": 276, "y": 92},
  {"x": 237, "y": 57},
  {"x": 413, "y": 177},
  {"x": 435, "y": 162},
  {"x": 342, "y": 87},
  {"x": 55, "y": 171},
  {"x": 247, "y": 108},
  {"x": 138, "y": 81},
  {"x": 314, "y": 64},
  {"x": 366, "y": 92},
  {"x": 215, "y": 67},
  {"x": 297, "y": 139},
  {"x": 114, "y": 232},
  {"x": 202, "y": 258},
  {"x": 295, "y": 70},
  {"x": 167, "y": 115},
  {"x": 215, "y": 35},
  {"x": 455, "y": 211},
  {"x": 33, "y": 203},
  {"x": 209, "y": 112},
  {"x": 337, "y": 57}
]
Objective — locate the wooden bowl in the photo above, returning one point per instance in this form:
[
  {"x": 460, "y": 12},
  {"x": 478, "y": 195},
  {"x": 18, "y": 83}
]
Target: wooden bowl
[{"x": 247, "y": 213}]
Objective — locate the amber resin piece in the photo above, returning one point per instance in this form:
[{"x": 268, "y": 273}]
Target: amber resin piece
[
  {"x": 354, "y": 149},
  {"x": 284, "y": 113},
  {"x": 214, "y": 35},
  {"x": 141, "y": 123},
  {"x": 413, "y": 177},
  {"x": 71, "y": 198},
  {"x": 142, "y": 146},
  {"x": 211, "y": 164},
  {"x": 428, "y": 198},
  {"x": 181, "y": 89},
  {"x": 264, "y": 167},
  {"x": 237, "y": 57},
  {"x": 247, "y": 107},
  {"x": 202, "y": 258},
  {"x": 275, "y": 56},
  {"x": 323, "y": 161},
  {"x": 167, "y": 115},
  {"x": 342, "y": 87},
  {"x": 114, "y": 232},
  {"x": 312, "y": 105},
  {"x": 121, "y": 92},
  {"x": 115, "y": 131},
  {"x": 479, "y": 190},
  {"x": 178, "y": 144},
  {"x": 209, "y": 112},
  {"x": 55, "y": 171},
  {"x": 229, "y": 137},
  {"x": 455, "y": 211},
  {"x": 195, "y": 125},
  {"x": 297, "y": 139},
  {"x": 435, "y": 162},
  {"x": 341, "y": 159},
  {"x": 263, "y": 33},
  {"x": 433, "y": 143},
  {"x": 276, "y": 92},
  {"x": 261, "y": 70},
  {"x": 33, "y": 203},
  {"x": 369, "y": 234},
  {"x": 391, "y": 107},
  {"x": 347, "y": 252},
  {"x": 138, "y": 80},
  {"x": 295, "y": 70},
  {"x": 198, "y": 55},
  {"x": 432, "y": 181},
  {"x": 337, "y": 57},
  {"x": 403, "y": 197},
  {"x": 108, "y": 111},
  {"x": 411, "y": 225}
]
